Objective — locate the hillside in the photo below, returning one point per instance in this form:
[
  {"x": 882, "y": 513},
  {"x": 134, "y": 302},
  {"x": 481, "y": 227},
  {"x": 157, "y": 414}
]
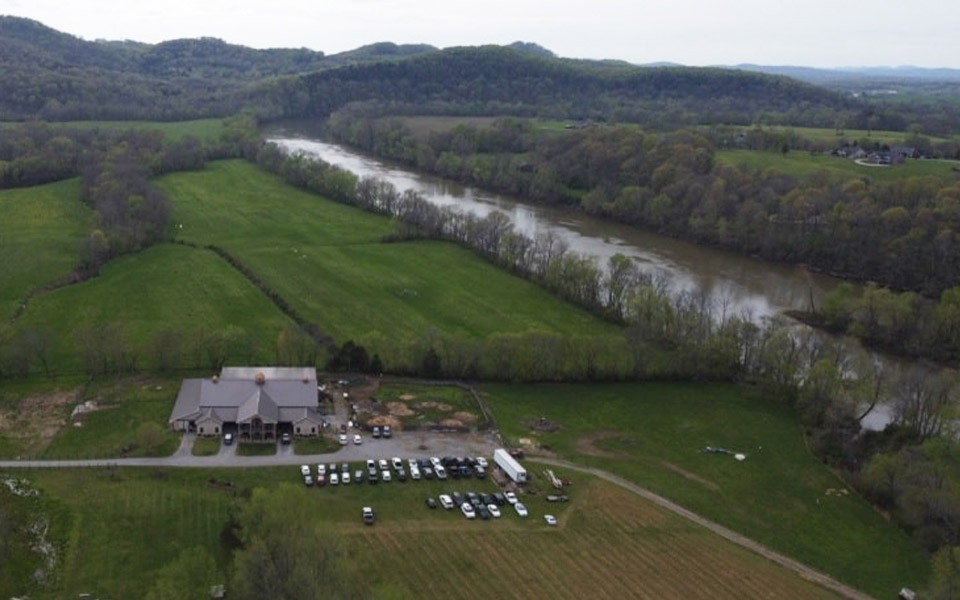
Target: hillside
[{"x": 505, "y": 80}]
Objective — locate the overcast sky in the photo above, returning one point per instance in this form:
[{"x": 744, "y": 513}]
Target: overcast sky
[{"x": 820, "y": 33}]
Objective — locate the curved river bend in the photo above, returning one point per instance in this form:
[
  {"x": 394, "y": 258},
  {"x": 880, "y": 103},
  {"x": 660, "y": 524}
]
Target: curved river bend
[{"x": 742, "y": 285}]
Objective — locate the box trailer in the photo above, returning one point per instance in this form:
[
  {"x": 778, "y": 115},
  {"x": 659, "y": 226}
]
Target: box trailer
[{"x": 509, "y": 465}]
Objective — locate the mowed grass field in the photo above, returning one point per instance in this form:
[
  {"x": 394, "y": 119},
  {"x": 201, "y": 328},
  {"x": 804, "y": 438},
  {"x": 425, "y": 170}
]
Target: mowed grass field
[
  {"x": 802, "y": 163},
  {"x": 608, "y": 543},
  {"x": 167, "y": 286},
  {"x": 653, "y": 434},
  {"x": 41, "y": 234},
  {"x": 203, "y": 129},
  {"x": 328, "y": 261}
]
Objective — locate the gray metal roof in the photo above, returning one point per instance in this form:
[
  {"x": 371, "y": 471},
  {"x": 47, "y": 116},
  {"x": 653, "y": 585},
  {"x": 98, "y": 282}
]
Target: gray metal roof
[
  {"x": 239, "y": 400},
  {"x": 271, "y": 373}
]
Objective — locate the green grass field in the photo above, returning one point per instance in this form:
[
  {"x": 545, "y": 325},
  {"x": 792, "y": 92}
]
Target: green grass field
[
  {"x": 829, "y": 135},
  {"x": 41, "y": 234},
  {"x": 653, "y": 434},
  {"x": 327, "y": 260},
  {"x": 203, "y": 129},
  {"x": 801, "y": 163},
  {"x": 206, "y": 446},
  {"x": 164, "y": 287},
  {"x": 607, "y": 541}
]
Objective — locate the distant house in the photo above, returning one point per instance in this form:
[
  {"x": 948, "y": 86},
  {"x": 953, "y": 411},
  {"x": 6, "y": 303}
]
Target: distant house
[
  {"x": 254, "y": 403},
  {"x": 899, "y": 154}
]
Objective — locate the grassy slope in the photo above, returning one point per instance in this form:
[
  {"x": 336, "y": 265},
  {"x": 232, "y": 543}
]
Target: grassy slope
[
  {"x": 204, "y": 129},
  {"x": 327, "y": 260},
  {"x": 164, "y": 287},
  {"x": 143, "y": 518},
  {"x": 803, "y": 163},
  {"x": 777, "y": 496},
  {"x": 40, "y": 237}
]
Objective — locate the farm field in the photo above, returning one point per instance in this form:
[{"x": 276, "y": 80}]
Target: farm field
[
  {"x": 207, "y": 130},
  {"x": 781, "y": 496},
  {"x": 802, "y": 163},
  {"x": 607, "y": 540},
  {"x": 166, "y": 287},
  {"x": 829, "y": 135},
  {"x": 328, "y": 261},
  {"x": 41, "y": 234}
]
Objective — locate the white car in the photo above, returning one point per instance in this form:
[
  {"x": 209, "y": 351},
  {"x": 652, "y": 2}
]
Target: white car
[
  {"x": 371, "y": 464},
  {"x": 435, "y": 462},
  {"x": 467, "y": 509},
  {"x": 304, "y": 470},
  {"x": 446, "y": 501},
  {"x": 511, "y": 497},
  {"x": 334, "y": 479},
  {"x": 413, "y": 463},
  {"x": 415, "y": 474},
  {"x": 345, "y": 478},
  {"x": 397, "y": 463},
  {"x": 482, "y": 462},
  {"x": 321, "y": 469},
  {"x": 343, "y": 439},
  {"x": 307, "y": 480},
  {"x": 441, "y": 472},
  {"x": 385, "y": 476},
  {"x": 357, "y": 440},
  {"x": 383, "y": 464},
  {"x": 494, "y": 510},
  {"x": 521, "y": 509},
  {"x": 550, "y": 519}
]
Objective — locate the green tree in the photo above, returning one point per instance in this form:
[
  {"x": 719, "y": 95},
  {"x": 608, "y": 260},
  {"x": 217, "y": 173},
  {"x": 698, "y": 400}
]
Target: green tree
[{"x": 188, "y": 577}]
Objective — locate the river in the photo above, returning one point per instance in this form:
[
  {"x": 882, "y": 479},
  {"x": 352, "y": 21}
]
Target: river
[{"x": 742, "y": 285}]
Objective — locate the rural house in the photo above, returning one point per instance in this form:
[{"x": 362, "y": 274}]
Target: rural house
[{"x": 254, "y": 403}]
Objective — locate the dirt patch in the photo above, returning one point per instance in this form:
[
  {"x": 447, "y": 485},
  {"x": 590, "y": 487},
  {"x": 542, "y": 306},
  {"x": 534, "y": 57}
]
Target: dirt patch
[
  {"x": 588, "y": 445},
  {"x": 430, "y": 404},
  {"x": 393, "y": 422},
  {"x": 399, "y": 409},
  {"x": 544, "y": 424},
  {"x": 466, "y": 417},
  {"x": 407, "y": 397},
  {"x": 37, "y": 419},
  {"x": 691, "y": 476},
  {"x": 451, "y": 423}
]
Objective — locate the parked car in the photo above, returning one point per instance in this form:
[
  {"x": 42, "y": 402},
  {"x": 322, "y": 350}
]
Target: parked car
[
  {"x": 385, "y": 475},
  {"x": 467, "y": 509},
  {"x": 307, "y": 480},
  {"x": 368, "y": 516},
  {"x": 480, "y": 472},
  {"x": 511, "y": 497},
  {"x": 401, "y": 475},
  {"x": 412, "y": 463},
  {"x": 334, "y": 479},
  {"x": 358, "y": 476},
  {"x": 321, "y": 480},
  {"x": 458, "y": 498},
  {"x": 227, "y": 439},
  {"x": 343, "y": 439},
  {"x": 488, "y": 498},
  {"x": 446, "y": 501},
  {"x": 473, "y": 498},
  {"x": 465, "y": 472},
  {"x": 415, "y": 474},
  {"x": 441, "y": 472},
  {"x": 397, "y": 463},
  {"x": 371, "y": 464},
  {"x": 454, "y": 473},
  {"x": 321, "y": 469},
  {"x": 345, "y": 468},
  {"x": 373, "y": 477},
  {"x": 557, "y": 498},
  {"x": 521, "y": 509},
  {"x": 499, "y": 498},
  {"x": 550, "y": 519},
  {"x": 383, "y": 464},
  {"x": 494, "y": 510},
  {"x": 376, "y": 433},
  {"x": 483, "y": 512},
  {"x": 387, "y": 431},
  {"x": 345, "y": 478},
  {"x": 435, "y": 461},
  {"x": 428, "y": 473},
  {"x": 304, "y": 470},
  {"x": 357, "y": 440},
  {"x": 285, "y": 438},
  {"x": 481, "y": 461},
  {"x": 431, "y": 503}
]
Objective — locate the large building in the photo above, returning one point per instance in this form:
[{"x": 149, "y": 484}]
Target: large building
[{"x": 254, "y": 403}]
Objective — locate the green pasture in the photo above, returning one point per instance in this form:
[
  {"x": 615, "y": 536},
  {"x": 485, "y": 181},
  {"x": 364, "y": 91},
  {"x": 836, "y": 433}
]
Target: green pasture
[
  {"x": 206, "y": 446},
  {"x": 166, "y": 287},
  {"x": 654, "y": 434},
  {"x": 801, "y": 163},
  {"x": 41, "y": 234},
  {"x": 207, "y": 130},
  {"x": 328, "y": 261}
]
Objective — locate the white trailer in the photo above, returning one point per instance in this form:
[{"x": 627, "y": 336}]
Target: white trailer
[{"x": 510, "y": 466}]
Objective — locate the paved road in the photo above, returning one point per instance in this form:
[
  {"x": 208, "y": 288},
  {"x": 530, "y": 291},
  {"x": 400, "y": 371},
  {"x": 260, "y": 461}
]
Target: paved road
[
  {"x": 804, "y": 571},
  {"x": 402, "y": 444}
]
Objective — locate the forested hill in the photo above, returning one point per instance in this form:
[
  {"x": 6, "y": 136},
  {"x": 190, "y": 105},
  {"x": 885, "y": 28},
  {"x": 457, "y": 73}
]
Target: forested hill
[{"x": 506, "y": 80}]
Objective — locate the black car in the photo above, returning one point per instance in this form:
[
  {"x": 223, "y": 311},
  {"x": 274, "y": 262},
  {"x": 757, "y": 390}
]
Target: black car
[
  {"x": 469, "y": 461},
  {"x": 376, "y": 433},
  {"x": 457, "y": 498},
  {"x": 472, "y": 497},
  {"x": 431, "y": 503},
  {"x": 401, "y": 475},
  {"x": 285, "y": 439},
  {"x": 500, "y": 499},
  {"x": 423, "y": 463},
  {"x": 483, "y": 512},
  {"x": 480, "y": 472},
  {"x": 428, "y": 473},
  {"x": 465, "y": 472},
  {"x": 447, "y": 461},
  {"x": 488, "y": 499}
]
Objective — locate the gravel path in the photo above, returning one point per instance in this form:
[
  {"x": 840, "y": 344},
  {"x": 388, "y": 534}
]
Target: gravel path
[{"x": 804, "y": 571}]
